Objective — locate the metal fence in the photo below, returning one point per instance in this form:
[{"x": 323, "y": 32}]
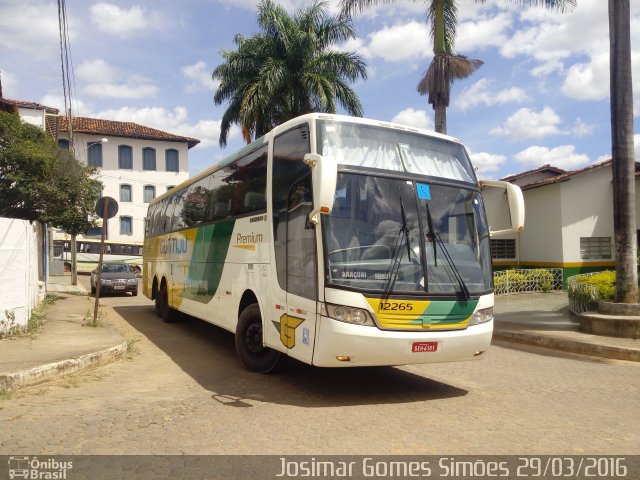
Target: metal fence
[
  {"x": 582, "y": 296},
  {"x": 527, "y": 280}
]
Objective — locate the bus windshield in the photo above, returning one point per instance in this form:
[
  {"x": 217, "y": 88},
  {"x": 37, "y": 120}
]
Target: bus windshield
[
  {"x": 414, "y": 236},
  {"x": 395, "y": 150}
]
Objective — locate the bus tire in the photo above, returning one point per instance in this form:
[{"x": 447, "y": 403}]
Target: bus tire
[
  {"x": 168, "y": 314},
  {"x": 251, "y": 351}
]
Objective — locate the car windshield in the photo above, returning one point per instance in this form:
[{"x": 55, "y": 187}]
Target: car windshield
[
  {"x": 115, "y": 268},
  {"x": 416, "y": 236}
]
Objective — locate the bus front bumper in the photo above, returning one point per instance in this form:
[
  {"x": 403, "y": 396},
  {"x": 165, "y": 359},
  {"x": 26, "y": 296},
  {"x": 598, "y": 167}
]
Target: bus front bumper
[{"x": 340, "y": 344}]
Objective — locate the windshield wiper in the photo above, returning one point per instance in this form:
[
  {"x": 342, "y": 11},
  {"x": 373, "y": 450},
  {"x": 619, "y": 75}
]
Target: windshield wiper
[
  {"x": 397, "y": 254},
  {"x": 434, "y": 237}
]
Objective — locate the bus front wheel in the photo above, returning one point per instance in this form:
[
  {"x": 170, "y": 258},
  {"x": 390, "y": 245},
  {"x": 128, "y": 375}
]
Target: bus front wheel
[{"x": 252, "y": 353}]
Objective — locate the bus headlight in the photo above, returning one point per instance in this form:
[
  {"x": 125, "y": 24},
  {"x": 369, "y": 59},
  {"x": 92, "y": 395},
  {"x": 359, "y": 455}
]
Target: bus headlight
[
  {"x": 357, "y": 316},
  {"x": 482, "y": 316}
]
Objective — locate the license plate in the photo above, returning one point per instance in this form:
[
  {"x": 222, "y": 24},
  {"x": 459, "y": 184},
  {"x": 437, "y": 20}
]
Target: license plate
[
  {"x": 118, "y": 287},
  {"x": 424, "y": 347}
]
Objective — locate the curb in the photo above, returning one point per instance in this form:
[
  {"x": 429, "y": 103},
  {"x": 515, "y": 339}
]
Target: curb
[
  {"x": 26, "y": 378},
  {"x": 572, "y": 346}
]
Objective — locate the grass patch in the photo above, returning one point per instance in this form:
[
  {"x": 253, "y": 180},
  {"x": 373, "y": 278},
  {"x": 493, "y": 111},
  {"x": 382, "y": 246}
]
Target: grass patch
[
  {"x": 96, "y": 322},
  {"x": 5, "y": 394},
  {"x": 9, "y": 327}
]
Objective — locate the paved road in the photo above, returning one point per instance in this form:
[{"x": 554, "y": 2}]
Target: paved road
[{"x": 182, "y": 391}]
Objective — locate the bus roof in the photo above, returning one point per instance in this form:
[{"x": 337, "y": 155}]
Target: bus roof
[{"x": 259, "y": 142}]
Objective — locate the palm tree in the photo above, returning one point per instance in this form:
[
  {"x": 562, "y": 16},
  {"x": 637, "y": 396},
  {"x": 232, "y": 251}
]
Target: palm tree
[
  {"x": 622, "y": 152},
  {"x": 290, "y": 68},
  {"x": 446, "y": 67}
]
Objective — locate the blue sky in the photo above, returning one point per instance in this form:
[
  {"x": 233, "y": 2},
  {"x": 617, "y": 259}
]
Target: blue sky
[{"x": 541, "y": 97}]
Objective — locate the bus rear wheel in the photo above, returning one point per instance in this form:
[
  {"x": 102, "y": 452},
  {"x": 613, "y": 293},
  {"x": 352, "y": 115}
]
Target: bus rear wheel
[
  {"x": 250, "y": 348},
  {"x": 167, "y": 313}
]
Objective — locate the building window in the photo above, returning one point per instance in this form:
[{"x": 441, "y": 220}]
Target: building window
[
  {"x": 126, "y": 225},
  {"x": 148, "y": 158},
  {"x": 94, "y": 154},
  {"x": 125, "y": 193},
  {"x": 503, "y": 248},
  {"x": 63, "y": 143},
  {"x": 149, "y": 193},
  {"x": 94, "y": 232},
  {"x": 172, "y": 162},
  {"x": 595, "y": 248},
  {"x": 125, "y": 157}
]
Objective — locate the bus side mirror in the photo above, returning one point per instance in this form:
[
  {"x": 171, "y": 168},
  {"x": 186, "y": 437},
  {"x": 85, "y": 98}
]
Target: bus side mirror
[
  {"x": 504, "y": 204},
  {"x": 324, "y": 174}
]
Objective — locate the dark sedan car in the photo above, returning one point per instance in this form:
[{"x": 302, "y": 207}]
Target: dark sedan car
[{"x": 116, "y": 277}]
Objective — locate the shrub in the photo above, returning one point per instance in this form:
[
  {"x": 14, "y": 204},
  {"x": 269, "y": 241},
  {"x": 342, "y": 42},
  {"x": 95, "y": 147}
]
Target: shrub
[
  {"x": 604, "y": 282},
  {"x": 509, "y": 282},
  {"x": 539, "y": 279}
]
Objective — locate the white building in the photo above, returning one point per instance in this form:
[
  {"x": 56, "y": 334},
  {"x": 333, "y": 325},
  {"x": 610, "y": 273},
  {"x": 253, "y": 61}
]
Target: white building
[
  {"x": 568, "y": 221},
  {"x": 135, "y": 164}
]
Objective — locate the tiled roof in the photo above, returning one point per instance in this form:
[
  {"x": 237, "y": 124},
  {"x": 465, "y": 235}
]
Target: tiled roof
[
  {"x": 567, "y": 175},
  {"x": 34, "y": 105},
  {"x": 122, "y": 129},
  {"x": 544, "y": 168}
]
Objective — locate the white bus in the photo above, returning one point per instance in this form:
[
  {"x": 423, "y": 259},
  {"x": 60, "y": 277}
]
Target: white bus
[
  {"x": 88, "y": 253},
  {"x": 334, "y": 240}
]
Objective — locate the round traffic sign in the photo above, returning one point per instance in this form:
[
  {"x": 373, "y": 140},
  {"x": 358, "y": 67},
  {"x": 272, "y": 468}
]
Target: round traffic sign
[{"x": 111, "y": 207}]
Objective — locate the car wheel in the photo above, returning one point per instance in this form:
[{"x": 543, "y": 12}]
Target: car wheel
[
  {"x": 93, "y": 290},
  {"x": 135, "y": 292},
  {"x": 251, "y": 351}
]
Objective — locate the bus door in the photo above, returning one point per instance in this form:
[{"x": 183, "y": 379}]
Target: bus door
[
  {"x": 292, "y": 319},
  {"x": 298, "y": 332}
]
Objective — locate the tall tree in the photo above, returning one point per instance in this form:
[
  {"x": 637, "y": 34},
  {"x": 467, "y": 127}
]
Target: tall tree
[
  {"x": 290, "y": 68},
  {"x": 40, "y": 181},
  {"x": 446, "y": 67},
  {"x": 622, "y": 152}
]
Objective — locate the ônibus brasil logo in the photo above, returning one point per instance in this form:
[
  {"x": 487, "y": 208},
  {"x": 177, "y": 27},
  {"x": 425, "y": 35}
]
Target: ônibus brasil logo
[{"x": 36, "y": 469}]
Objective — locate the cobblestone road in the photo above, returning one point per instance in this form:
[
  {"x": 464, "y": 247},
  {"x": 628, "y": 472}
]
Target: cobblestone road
[{"x": 182, "y": 391}]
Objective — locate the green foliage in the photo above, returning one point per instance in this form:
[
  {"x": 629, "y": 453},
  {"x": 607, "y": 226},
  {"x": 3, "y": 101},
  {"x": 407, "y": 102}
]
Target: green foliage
[
  {"x": 40, "y": 181},
  {"x": 539, "y": 279},
  {"x": 510, "y": 281},
  {"x": 290, "y": 68},
  {"x": 9, "y": 328},
  {"x": 604, "y": 282}
]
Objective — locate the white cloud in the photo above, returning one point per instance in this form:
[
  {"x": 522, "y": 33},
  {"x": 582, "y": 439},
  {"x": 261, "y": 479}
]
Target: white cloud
[
  {"x": 479, "y": 94},
  {"x": 484, "y": 31},
  {"x": 588, "y": 81},
  {"x": 200, "y": 76},
  {"x": 486, "y": 163},
  {"x": 401, "y": 42},
  {"x": 581, "y": 129},
  {"x": 550, "y": 38},
  {"x": 103, "y": 80},
  {"x": 564, "y": 157},
  {"x": 90, "y": 70},
  {"x": 114, "y": 20},
  {"x": 30, "y": 27},
  {"x": 526, "y": 124},
  {"x": 414, "y": 118},
  {"x": 10, "y": 85}
]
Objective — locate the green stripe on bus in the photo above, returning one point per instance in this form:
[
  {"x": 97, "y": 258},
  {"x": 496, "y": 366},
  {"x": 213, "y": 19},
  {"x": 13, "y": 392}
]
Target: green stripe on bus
[{"x": 207, "y": 261}]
